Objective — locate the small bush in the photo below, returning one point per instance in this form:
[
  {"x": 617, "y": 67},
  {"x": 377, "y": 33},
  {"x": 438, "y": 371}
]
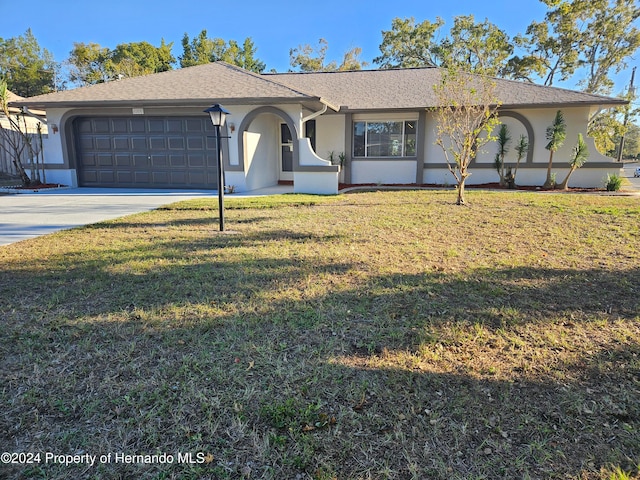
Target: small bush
[{"x": 613, "y": 182}]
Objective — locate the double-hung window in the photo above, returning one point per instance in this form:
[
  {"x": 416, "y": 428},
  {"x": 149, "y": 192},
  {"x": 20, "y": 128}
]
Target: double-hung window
[{"x": 384, "y": 138}]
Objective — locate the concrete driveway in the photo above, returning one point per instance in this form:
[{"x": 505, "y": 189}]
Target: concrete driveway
[
  {"x": 24, "y": 216},
  {"x": 29, "y": 215}
]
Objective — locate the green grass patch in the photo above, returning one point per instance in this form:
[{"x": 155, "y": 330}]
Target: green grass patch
[{"x": 368, "y": 335}]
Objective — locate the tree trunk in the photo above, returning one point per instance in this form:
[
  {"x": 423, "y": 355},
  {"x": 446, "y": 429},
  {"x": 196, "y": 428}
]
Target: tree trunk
[
  {"x": 547, "y": 183},
  {"x": 461, "y": 200},
  {"x": 565, "y": 184}
]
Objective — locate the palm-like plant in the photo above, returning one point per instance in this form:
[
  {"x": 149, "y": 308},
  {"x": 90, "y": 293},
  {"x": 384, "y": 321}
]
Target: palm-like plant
[
  {"x": 503, "y": 141},
  {"x": 521, "y": 150},
  {"x": 556, "y": 134},
  {"x": 579, "y": 156}
]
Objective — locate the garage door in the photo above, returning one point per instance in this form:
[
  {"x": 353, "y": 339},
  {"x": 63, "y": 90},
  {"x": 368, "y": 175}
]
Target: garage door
[{"x": 146, "y": 152}]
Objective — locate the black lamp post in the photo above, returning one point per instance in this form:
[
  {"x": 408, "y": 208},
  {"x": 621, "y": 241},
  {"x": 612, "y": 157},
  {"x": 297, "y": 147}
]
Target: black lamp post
[{"x": 218, "y": 115}]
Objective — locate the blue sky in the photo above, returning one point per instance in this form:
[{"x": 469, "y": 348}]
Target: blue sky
[{"x": 275, "y": 26}]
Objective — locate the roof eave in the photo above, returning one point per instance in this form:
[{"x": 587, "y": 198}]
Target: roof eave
[{"x": 177, "y": 102}]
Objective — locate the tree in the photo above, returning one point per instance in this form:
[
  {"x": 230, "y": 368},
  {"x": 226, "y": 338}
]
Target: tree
[
  {"x": 478, "y": 47},
  {"x": 579, "y": 156},
  {"x": 466, "y": 115},
  {"x": 16, "y": 139},
  {"x": 27, "y": 68},
  {"x": 521, "y": 150},
  {"x": 410, "y": 45},
  {"x": 141, "y": 58},
  {"x": 89, "y": 63},
  {"x": 203, "y": 49},
  {"x": 503, "y": 140},
  {"x": 632, "y": 142},
  {"x": 556, "y": 134},
  {"x": 607, "y": 128},
  {"x": 312, "y": 59},
  {"x": 597, "y": 35}
]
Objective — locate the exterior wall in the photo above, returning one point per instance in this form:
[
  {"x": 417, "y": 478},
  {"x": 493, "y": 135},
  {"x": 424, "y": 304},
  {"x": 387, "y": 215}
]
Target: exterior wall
[
  {"x": 330, "y": 135},
  {"x": 261, "y": 153},
  {"x": 58, "y": 167},
  {"x": 384, "y": 171},
  {"x": 532, "y": 170}
]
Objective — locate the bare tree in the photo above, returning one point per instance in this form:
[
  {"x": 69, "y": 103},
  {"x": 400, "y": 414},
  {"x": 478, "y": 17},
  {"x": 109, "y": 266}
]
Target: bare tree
[
  {"x": 16, "y": 140},
  {"x": 466, "y": 115}
]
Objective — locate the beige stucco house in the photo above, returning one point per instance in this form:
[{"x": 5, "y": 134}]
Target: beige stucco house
[{"x": 151, "y": 131}]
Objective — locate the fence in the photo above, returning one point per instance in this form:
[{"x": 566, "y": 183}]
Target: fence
[{"x": 13, "y": 143}]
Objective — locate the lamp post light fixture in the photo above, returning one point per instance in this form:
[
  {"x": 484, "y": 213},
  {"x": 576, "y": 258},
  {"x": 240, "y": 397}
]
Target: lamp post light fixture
[{"x": 218, "y": 115}]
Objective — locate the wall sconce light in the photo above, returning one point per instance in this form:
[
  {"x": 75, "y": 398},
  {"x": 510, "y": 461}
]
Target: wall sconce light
[
  {"x": 232, "y": 127},
  {"x": 54, "y": 128}
]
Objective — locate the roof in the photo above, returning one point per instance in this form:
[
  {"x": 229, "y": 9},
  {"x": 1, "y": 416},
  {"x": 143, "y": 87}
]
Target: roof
[
  {"x": 413, "y": 87},
  {"x": 13, "y": 97},
  {"x": 198, "y": 85},
  {"x": 359, "y": 90}
]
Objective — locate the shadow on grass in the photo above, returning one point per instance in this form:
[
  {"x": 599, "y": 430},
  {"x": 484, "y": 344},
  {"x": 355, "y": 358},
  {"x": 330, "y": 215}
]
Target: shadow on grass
[{"x": 274, "y": 362}]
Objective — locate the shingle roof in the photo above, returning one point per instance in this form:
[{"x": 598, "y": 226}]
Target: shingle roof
[
  {"x": 201, "y": 84},
  {"x": 354, "y": 90},
  {"x": 413, "y": 88}
]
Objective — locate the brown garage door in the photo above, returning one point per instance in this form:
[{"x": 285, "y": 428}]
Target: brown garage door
[{"x": 146, "y": 152}]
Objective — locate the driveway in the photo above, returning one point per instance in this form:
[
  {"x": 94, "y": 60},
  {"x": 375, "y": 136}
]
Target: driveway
[
  {"x": 629, "y": 168},
  {"x": 24, "y": 216},
  {"x": 29, "y": 215}
]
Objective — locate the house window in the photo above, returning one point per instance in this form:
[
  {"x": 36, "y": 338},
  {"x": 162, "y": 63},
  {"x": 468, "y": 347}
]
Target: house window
[
  {"x": 310, "y": 132},
  {"x": 384, "y": 139}
]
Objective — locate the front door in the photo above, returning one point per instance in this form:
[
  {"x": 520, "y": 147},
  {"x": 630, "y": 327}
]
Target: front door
[{"x": 286, "y": 153}]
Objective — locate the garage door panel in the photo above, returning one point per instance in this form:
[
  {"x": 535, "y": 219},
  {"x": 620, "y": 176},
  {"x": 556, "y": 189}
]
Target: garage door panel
[
  {"x": 160, "y": 177},
  {"x": 178, "y": 161},
  {"x": 178, "y": 177},
  {"x": 123, "y": 160},
  {"x": 106, "y": 176},
  {"x": 89, "y": 176},
  {"x": 125, "y": 177},
  {"x": 175, "y": 143},
  {"x": 137, "y": 125},
  {"x": 102, "y": 143},
  {"x": 141, "y": 161},
  {"x": 148, "y": 152},
  {"x": 157, "y": 143},
  {"x": 196, "y": 160},
  {"x": 104, "y": 160},
  {"x": 121, "y": 143},
  {"x": 159, "y": 161},
  {"x": 88, "y": 160},
  {"x": 195, "y": 143},
  {"x": 119, "y": 125},
  {"x": 141, "y": 177},
  {"x": 101, "y": 125},
  {"x": 139, "y": 144},
  {"x": 156, "y": 125}
]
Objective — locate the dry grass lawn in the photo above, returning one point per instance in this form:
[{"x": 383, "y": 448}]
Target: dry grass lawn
[{"x": 364, "y": 336}]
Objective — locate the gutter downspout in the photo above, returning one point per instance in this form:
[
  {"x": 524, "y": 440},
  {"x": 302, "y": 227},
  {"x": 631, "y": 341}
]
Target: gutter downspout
[
  {"x": 26, "y": 111},
  {"x": 315, "y": 114}
]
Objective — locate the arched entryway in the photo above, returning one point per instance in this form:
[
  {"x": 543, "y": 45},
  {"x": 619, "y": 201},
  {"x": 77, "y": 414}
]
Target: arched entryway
[{"x": 268, "y": 147}]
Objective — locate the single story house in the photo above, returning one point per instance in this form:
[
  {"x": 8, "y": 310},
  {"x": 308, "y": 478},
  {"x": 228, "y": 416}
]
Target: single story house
[{"x": 152, "y": 132}]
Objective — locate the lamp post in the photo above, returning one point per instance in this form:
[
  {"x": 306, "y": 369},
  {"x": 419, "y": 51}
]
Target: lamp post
[{"x": 218, "y": 115}]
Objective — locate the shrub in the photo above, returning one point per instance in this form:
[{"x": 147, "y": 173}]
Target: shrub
[{"x": 613, "y": 182}]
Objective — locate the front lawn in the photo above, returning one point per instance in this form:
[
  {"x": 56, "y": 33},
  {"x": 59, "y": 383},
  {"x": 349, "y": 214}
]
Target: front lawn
[{"x": 363, "y": 336}]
